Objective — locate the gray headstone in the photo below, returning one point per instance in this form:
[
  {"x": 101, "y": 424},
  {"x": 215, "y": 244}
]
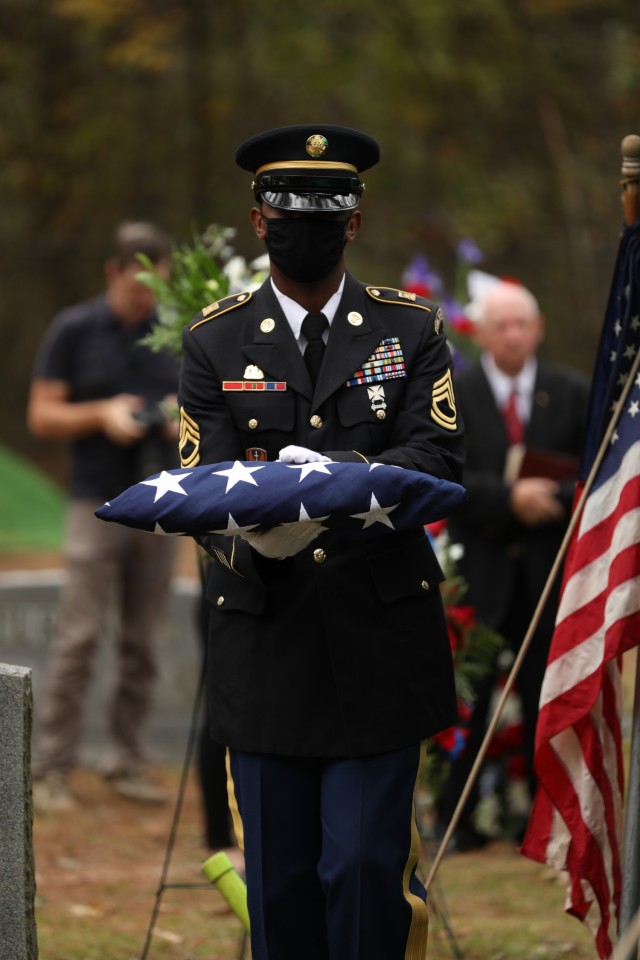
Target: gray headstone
[
  {"x": 18, "y": 939},
  {"x": 29, "y": 602}
]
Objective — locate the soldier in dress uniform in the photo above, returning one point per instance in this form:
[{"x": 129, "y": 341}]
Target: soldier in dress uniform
[{"x": 329, "y": 661}]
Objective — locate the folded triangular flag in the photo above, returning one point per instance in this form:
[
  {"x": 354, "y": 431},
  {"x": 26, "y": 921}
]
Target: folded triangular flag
[{"x": 240, "y": 495}]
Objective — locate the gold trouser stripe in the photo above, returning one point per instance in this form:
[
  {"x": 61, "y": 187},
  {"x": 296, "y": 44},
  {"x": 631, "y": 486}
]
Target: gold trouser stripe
[
  {"x": 233, "y": 804},
  {"x": 417, "y": 940}
]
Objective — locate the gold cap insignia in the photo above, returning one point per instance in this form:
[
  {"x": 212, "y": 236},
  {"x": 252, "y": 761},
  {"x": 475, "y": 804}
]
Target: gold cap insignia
[
  {"x": 316, "y": 145},
  {"x": 253, "y": 373},
  {"x": 267, "y": 325}
]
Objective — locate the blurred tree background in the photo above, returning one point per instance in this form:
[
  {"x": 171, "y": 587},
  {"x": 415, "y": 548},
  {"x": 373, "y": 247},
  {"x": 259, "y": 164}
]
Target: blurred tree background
[{"x": 499, "y": 120}]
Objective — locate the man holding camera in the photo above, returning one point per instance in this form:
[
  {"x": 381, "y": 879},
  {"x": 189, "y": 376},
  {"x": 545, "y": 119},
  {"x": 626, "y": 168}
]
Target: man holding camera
[{"x": 95, "y": 386}]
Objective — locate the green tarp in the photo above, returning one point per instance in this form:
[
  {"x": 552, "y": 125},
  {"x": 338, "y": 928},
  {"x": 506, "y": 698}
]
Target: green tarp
[{"x": 31, "y": 506}]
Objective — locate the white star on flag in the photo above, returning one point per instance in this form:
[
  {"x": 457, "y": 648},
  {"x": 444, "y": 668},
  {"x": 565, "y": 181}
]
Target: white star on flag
[
  {"x": 238, "y": 473},
  {"x": 232, "y": 527},
  {"x": 327, "y": 499},
  {"x": 375, "y": 514},
  {"x": 307, "y": 468},
  {"x": 167, "y": 483},
  {"x": 160, "y": 530},
  {"x": 303, "y": 516}
]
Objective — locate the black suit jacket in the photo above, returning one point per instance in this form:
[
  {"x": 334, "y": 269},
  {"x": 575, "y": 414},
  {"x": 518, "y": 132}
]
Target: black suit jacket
[
  {"x": 341, "y": 650},
  {"x": 499, "y": 552}
]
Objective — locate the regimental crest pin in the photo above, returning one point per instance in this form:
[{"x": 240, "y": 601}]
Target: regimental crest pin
[
  {"x": 256, "y": 454},
  {"x": 253, "y": 373}
]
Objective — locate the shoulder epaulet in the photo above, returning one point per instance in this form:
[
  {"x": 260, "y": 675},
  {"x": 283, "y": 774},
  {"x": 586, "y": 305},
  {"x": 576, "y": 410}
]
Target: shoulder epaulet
[
  {"x": 216, "y": 309},
  {"x": 403, "y": 298}
]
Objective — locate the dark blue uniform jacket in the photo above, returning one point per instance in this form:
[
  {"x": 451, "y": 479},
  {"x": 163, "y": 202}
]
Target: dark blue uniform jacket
[{"x": 341, "y": 650}]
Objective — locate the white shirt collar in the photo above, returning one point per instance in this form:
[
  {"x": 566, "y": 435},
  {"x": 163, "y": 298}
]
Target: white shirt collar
[
  {"x": 502, "y": 385},
  {"x": 295, "y": 314}
]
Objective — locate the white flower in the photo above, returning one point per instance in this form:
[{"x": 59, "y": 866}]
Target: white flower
[
  {"x": 236, "y": 270},
  {"x": 261, "y": 263},
  {"x": 456, "y": 552}
]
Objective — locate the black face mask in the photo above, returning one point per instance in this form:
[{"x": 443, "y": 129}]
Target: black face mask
[{"x": 305, "y": 248}]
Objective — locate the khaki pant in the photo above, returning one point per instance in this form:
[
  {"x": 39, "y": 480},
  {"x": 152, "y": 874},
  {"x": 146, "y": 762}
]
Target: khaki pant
[{"x": 107, "y": 566}]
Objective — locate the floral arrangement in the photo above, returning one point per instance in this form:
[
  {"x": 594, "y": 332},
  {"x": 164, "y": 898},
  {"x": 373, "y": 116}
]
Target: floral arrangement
[
  {"x": 421, "y": 278},
  {"x": 204, "y": 270},
  {"x": 475, "y": 649}
]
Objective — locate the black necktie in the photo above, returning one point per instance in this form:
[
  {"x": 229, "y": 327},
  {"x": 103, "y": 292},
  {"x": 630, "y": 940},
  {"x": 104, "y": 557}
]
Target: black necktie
[{"x": 313, "y": 326}]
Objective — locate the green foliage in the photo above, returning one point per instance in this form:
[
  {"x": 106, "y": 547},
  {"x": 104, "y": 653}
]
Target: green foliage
[
  {"x": 203, "y": 271},
  {"x": 475, "y": 648},
  {"x": 499, "y": 120}
]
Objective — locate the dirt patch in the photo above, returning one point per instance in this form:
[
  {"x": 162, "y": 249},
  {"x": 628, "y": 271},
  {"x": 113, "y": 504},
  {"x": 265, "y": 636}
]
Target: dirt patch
[
  {"x": 186, "y": 562},
  {"x": 99, "y": 867}
]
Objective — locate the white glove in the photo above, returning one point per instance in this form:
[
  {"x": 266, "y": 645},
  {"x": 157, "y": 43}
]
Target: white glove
[
  {"x": 285, "y": 540},
  {"x": 293, "y": 454}
]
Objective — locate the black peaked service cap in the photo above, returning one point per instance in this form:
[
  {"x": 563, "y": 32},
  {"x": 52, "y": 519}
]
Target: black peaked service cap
[{"x": 314, "y": 167}]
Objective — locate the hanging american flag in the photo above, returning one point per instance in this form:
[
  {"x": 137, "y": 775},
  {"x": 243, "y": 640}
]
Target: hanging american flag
[
  {"x": 576, "y": 819},
  {"x": 236, "y": 496}
]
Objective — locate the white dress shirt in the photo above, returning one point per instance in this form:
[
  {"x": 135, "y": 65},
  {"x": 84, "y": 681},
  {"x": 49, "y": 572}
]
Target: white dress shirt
[
  {"x": 503, "y": 385},
  {"x": 295, "y": 314}
]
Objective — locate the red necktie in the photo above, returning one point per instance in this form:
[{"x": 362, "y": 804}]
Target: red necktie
[{"x": 512, "y": 421}]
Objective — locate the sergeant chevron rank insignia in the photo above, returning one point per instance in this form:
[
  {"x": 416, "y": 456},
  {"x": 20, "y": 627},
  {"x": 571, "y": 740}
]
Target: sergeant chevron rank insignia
[
  {"x": 443, "y": 402},
  {"x": 189, "y": 440}
]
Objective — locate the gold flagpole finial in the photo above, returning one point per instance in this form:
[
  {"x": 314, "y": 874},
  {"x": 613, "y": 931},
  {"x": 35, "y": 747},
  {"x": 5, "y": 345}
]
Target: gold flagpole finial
[{"x": 630, "y": 172}]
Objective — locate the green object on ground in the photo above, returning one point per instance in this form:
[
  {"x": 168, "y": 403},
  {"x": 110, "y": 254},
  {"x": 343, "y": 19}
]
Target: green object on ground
[
  {"x": 219, "y": 870},
  {"x": 31, "y": 506}
]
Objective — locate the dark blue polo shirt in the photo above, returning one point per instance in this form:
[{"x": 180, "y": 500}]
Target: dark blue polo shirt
[{"x": 89, "y": 348}]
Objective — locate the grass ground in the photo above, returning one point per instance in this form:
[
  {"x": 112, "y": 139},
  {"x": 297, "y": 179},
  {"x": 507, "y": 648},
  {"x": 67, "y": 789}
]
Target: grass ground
[{"x": 98, "y": 870}]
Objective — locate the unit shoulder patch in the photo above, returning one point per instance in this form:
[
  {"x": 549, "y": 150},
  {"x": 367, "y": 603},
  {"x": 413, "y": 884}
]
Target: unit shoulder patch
[
  {"x": 404, "y": 298},
  {"x": 219, "y": 307}
]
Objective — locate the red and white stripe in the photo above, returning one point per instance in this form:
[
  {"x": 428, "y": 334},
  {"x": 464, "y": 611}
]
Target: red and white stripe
[{"x": 576, "y": 820}]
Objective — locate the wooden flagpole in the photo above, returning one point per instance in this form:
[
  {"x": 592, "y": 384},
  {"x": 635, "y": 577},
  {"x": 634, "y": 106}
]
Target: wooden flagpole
[
  {"x": 630, "y": 898},
  {"x": 631, "y": 199}
]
